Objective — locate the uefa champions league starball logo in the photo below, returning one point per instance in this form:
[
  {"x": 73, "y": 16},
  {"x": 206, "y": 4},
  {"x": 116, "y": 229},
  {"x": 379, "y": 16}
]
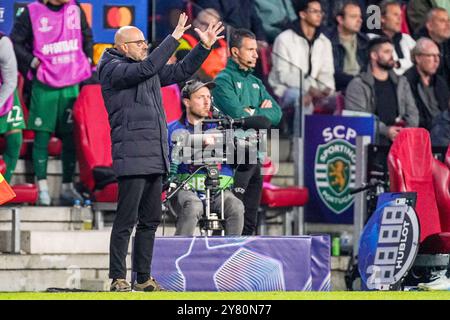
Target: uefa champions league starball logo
[{"x": 44, "y": 25}]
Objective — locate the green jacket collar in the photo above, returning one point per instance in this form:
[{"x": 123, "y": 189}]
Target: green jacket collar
[{"x": 233, "y": 66}]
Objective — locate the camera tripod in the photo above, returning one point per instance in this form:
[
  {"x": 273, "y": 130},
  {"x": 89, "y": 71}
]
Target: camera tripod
[{"x": 211, "y": 223}]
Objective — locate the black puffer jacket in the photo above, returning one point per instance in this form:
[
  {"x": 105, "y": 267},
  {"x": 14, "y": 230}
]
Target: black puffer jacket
[{"x": 132, "y": 95}]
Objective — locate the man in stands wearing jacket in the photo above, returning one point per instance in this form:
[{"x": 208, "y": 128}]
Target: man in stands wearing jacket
[
  {"x": 391, "y": 26},
  {"x": 430, "y": 90},
  {"x": 382, "y": 92},
  {"x": 437, "y": 28},
  {"x": 131, "y": 80},
  {"x": 349, "y": 44},
  {"x": 303, "y": 47}
]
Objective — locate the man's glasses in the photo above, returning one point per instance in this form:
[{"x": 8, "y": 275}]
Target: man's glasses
[
  {"x": 430, "y": 55},
  {"x": 139, "y": 43}
]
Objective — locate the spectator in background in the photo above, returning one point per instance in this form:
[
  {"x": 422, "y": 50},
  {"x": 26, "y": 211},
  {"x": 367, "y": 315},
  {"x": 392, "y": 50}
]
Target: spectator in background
[
  {"x": 391, "y": 25},
  {"x": 276, "y": 16},
  {"x": 42, "y": 28},
  {"x": 349, "y": 44},
  {"x": 430, "y": 90},
  {"x": 331, "y": 7},
  {"x": 238, "y": 93},
  {"x": 217, "y": 59},
  {"x": 11, "y": 114},
  {"x": 419, "y": 9},
  {"x": 437, "y": 28},
  {"x": 382, "y": 92},
  {"x": 303, "y": 48},
  {"x": 237, "y": 14}
]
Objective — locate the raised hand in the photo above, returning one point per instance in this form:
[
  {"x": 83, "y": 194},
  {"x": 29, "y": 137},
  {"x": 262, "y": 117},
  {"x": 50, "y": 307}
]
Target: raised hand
[
  {"x": 181, "y": 27},
  {"x": 210, "y": 35}
]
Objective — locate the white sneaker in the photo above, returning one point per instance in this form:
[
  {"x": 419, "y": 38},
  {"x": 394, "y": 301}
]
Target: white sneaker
[
  {"x": 440, "y": 283},
  {"x": 44, "y": 198}
]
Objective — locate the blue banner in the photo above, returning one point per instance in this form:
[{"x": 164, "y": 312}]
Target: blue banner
[
  {"x": 242, "y": 263},
  {"x": 330, "y": 160},
  {"x": 104, "y": 16}
]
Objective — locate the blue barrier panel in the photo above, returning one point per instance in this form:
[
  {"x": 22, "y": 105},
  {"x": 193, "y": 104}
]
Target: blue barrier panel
[{"x": 242, "y": 263}]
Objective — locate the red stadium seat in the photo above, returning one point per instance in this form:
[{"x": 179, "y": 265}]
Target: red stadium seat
[
  {"x": 405, "y": 26},
  {"x": 25, "y": 193},
  {"x": 108, "y": 193},
  {"x": 171, "y": 102},
  {"x": 441, "y": 179},
  {"x": 447, "y": 157},
  {"x": 410, "y": 164},
  {"x": 266, "y": 60},
  {"x": 93, "y": 140},
  {"x": 282, "y": 198}
]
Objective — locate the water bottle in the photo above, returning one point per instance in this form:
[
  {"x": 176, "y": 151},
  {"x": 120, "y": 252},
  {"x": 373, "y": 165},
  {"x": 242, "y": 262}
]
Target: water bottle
[
  {"x": 87, "y": 215},
  {"x": 346, "y": 242},
  {"x": 75, "y": 215},
  {"x": 335, "y": 247}
]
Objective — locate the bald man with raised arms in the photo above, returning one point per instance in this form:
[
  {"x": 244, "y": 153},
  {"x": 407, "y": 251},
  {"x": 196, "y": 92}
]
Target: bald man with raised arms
[{"x": 131, "y": 80}]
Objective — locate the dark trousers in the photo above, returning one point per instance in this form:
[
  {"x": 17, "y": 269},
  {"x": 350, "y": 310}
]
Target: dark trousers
[
  {"x": 248, "y": 188},
  {"x": 139, "y": 202}
]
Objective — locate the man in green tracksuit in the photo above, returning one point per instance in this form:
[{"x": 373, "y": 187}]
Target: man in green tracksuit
[{"x": 238, "y": 93}]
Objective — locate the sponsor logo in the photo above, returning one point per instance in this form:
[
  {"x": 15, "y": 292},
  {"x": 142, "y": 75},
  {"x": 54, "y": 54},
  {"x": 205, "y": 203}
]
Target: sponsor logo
[
  {"x": 388, "y": 246},
  {"x": 38, "y": 122},
  {"x": 239, "y": 85},
  {"x": 255, "y": 86},
  {"x": 239, "y": 190}
]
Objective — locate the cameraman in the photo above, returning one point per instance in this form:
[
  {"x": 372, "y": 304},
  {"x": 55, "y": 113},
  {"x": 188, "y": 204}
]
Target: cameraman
[
  {"x": 187, "y": 203},
  {"x": 239, "y": 94}
]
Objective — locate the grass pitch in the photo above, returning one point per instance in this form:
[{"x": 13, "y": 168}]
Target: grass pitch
[{"x": 334, "y": 295}]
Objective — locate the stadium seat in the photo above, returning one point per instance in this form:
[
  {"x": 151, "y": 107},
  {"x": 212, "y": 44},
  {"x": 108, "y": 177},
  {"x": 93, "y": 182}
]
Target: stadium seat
[
  {"x": 93, "y": 140},
  {"x": 25, "y": 193},
  {"x": 266, "y": 60},
  {"x": 171, "y": 102},
  {"x": 278, "y": 198},
  {"x": 405, "y": 26},
  {"x": 410, "y": 163},
  {"x": 441, "y": 179},
  {"x": 447, "y": 157}
]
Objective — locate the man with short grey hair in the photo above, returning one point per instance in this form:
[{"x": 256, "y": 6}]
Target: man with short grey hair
[
  {"x": 430, "y": 90},
  {"x": 437, "y": 28},
  {"x": 391, "y": 26}
]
